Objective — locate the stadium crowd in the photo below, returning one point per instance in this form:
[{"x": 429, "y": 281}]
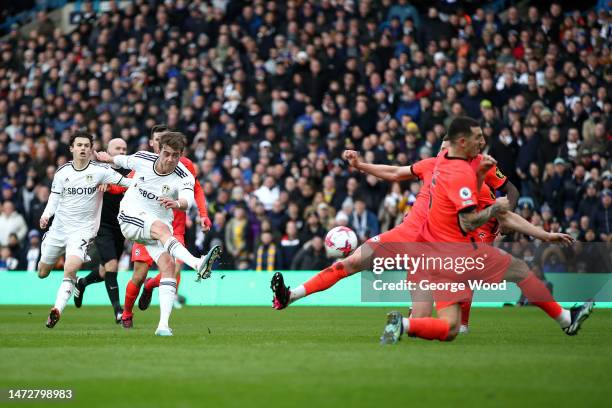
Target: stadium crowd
[{"x": 269, "y": 94}]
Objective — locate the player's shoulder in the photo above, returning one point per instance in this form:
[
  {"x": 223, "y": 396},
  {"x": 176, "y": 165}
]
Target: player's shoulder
[
  {"x": 100, "y": 165},
  {"x": 145, "y": 155},
  {"x": 64, "y": 167},
  {"x": 182, "y": 171},
  {"x": 186, "y": 161}
]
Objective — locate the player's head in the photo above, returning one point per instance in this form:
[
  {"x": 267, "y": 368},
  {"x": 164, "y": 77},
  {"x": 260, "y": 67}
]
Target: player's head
[
  {"x": 116, "y": 146},
  {"x": 157, "y": 132},
  {"x": 81, "y": 143},
  {"x": 171, "y": 146},
  {"x": 465, "y": 134}
]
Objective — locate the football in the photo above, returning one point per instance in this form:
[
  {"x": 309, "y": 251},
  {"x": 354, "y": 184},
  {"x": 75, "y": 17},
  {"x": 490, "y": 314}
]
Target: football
[{"x": 340, "y": 242}]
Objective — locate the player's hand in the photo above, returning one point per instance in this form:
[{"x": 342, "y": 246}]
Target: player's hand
[
  {"x": 103, "y": 188},
  {"x": 502, "y": 204},
  {"x": 205, "y": 223},
  {"x": 169, "y": 203},
  {"x": 103, "y": 157},
  {"x": 486, "y": 164},
  {"x": 352, "y": 157},
  {"x": 44, "y": 221},
  {"x": 563, "y": 239}
]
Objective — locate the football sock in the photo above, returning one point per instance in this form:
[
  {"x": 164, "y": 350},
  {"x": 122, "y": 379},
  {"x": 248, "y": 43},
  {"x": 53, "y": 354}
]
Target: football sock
[
  {"x": 538, "y": 294},
  {"x": 93, "y": 277},
  {"x": 112, "y": 288},
  {"x": 466, "y": 306},
  {"x": 131, "y": 293},
  {"x": 178, "y": 251},
  {"x": 153, "y": 282},
  {"x": 325, "y": 279},
  {"x": 167, "y": 293},
  {"x": 63, "y": 294},
  {"x": 427, "y": 328}
]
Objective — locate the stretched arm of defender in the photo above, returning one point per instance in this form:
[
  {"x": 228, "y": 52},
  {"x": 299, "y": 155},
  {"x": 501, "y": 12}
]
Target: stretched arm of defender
[
  {"x": 512, "y": 193},
  {"x": 517, "y": 223},
  {"x": 388, "y": 173},
  {"x": 469, "y": 221}
]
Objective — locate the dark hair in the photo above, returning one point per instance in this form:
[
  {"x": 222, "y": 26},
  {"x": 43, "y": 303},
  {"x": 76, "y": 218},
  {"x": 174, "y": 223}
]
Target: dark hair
[
  {"x": 159, "y": 129},
  {"x": 81, "y": 133},
  {"x": 461, "y": 126},
  {"x": 175, "y": 140}
]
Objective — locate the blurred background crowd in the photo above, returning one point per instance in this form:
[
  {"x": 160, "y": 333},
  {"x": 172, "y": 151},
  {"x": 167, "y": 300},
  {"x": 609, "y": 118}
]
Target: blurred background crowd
[{"x": 269, "y": 94}]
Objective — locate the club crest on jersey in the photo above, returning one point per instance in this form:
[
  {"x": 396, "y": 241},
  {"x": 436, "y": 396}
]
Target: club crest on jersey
[
  {"x": 89, "y": 178},
  {"x": 165, "y": 189},
  {"x": 465, "y": 193}
]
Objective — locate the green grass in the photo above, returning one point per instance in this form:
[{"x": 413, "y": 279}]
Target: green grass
[{"x": 303, "y": 356}]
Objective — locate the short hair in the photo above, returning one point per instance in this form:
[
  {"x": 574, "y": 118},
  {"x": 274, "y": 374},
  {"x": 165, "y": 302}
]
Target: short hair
[
  {"x": 175, "y": 140},
  {"x": 81, "y": 133},
  {"x": 461, "y": 126},
  {"x": 161, "y": 128}
]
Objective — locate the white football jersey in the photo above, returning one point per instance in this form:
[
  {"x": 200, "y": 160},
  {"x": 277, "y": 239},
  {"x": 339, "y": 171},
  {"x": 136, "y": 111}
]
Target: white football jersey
[
  {"x": 80, "y": 202},
  {"x": 149, "y": 186}
]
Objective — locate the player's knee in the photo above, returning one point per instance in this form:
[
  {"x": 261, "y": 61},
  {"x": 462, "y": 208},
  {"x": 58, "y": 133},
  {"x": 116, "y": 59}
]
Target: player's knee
[
  {"x": 517, "y": 271},
  {"x": 421, "y": 309},
  {"x": 160, "y": 231},
  {"x": 452, "y": 334}
]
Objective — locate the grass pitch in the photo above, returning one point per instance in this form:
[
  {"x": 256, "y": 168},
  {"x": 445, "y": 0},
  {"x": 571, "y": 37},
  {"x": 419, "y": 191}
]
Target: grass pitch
[{"x": 302, "y": 356}]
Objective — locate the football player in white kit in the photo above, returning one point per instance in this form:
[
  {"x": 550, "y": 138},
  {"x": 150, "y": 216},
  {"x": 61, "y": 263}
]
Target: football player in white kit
[
  {"x": 161, "y": 184},
  {"x": 76, "y": 204}
]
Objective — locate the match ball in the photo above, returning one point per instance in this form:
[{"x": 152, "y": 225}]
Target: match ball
[{"x": 340, "y": 242}]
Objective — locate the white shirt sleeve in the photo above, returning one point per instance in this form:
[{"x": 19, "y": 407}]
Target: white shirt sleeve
[
  {"x": 127, "y": 162},
  {"x": 52, "y": 203},
  {"x": 186, "y": 191},
  {"x": 110, "y": 176}
]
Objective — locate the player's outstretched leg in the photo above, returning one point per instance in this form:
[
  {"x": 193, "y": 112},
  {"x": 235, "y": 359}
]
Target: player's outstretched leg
[
  {"x": 323, "y": 280},
  {"x": 173, "y": 246},
  {"x": 538, "y": 294}
]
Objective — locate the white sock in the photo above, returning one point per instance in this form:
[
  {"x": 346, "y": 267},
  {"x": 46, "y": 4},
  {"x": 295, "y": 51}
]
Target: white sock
[
  {"x": 406, "y": 324},
  {"x": 297, "y": 293},
  {"x": 178, "y": 251},
  {"x": 565, "y": 318},
  {"x": 63, "y": 294},
  {"x": 167, "y": 293}
]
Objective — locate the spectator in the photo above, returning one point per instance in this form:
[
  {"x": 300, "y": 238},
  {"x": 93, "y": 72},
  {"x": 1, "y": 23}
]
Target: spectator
[
  {"x": 7, "y": 262},
  {"x": 312, "y": 257},
  {"x": 289, "y": 245},
  {"x": 33, "y": 252},
  {"x": 363, "y": 221},
  {"x": 267, "y": 256},
  {"x": 237, "y": 235},
  {"x": 11, "y": 222},
  {"x": 602, "y": 217}
]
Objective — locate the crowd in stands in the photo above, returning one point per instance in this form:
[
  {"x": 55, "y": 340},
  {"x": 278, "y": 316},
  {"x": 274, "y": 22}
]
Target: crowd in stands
[{"x": 269, "y": 94}]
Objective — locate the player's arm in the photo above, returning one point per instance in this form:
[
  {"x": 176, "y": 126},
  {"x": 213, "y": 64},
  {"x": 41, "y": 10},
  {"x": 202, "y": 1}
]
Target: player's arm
[
  {"x": 110, "y": 176},
  {"x": 495, "y": 179},
  {"x": 470, "y": 219},
  {"x": 115, "y": 189},
  {"x": 510, "y": 190},
  {"x": 382, "y": 171},
  {"x": 53, "y": 202},
  {"x": 120, "y": 160},
  {"x": 185, "y": 197},
  {"x": 517, "y": 223},
  {"x": 198, "y": 194}
]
